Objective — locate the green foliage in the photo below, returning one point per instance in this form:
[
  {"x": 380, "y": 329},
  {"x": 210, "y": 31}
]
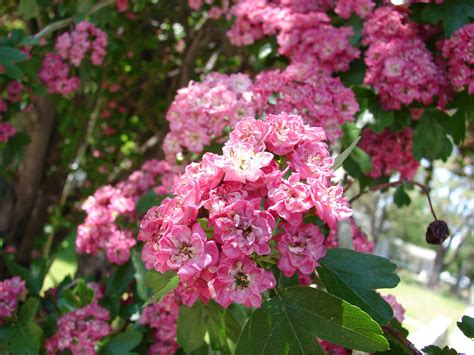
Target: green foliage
[
  {"x": 453, "y": 14},
  {"x": 466, "y": 325},
  {"x": 435, "y": 350},
  {"x": 354, "y": 276},
  {"x": 149, "y": 200},
  {"x": 161, "y": 284},
  {"x": 123, "y": 343},
  {"x": 400, "y": 197},
  {"x": 289, "y": 322},
  {"x": 345, "y": 154}
]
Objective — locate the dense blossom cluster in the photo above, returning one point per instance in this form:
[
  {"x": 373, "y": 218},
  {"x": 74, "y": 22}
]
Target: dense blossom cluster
[
  {"x": 398, "y": 309},
  {"x": 80, "y": 330},
  {"x": 201, "y": 112},
  {"x": 276, "y": 169},
  {"x": 10, "y": 291},
  {"x": 6, "y": 131},
  {"x": 459, "y": 54},
  {"x": 362, "y": 8},
  {"x": 162, "y": 317},
  {"x": 308, "y": 91},
  {"x": 101, "y": 230},
  {"x": 71, "y": 48},
  {"x": 390, "y": 152},
  {"x": 399, "y": 66}
]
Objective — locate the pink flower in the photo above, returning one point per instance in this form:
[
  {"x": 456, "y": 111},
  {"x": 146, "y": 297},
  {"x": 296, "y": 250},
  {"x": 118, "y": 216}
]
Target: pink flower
[
  {"x": 244, "y": 229},
  {"x": 301, "y": 247},
  {"x": 285, "y": 133},
  {"x": 6, "y": 131},
  {"x": 330, "y": 205},
  {"x": 14, "y": 89},
  {"x": 80, "y": 330},
  {"x": 398, "y": 309},
  {"x": 10, "y": 291},
  {"x": 240, "y": 281},
  {"x": 186, "y": 250},
  {"x": 312, "y": 159},
  {"x": 290, "y": 199},
  {"x": 242, "y": 163}
]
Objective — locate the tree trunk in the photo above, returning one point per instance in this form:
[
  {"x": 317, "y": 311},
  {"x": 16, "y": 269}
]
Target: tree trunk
[{"x": 28, "y": 199}]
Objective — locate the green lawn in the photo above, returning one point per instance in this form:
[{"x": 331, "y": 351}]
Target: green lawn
[{"x": 423, "y": 304}]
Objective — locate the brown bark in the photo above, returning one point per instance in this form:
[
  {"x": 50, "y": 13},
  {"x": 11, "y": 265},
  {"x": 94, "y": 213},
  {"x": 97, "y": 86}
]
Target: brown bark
[{"x": 28, "y": 204}]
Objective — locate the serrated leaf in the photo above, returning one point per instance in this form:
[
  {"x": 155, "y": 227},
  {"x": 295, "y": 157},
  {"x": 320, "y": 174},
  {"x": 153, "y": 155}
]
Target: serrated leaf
[
  {"x": 429, "y": 138},
  {"x": 354, "y": 276},
  {"x": 466, "y": 325},
  {"x": 28, "y": 310},
  {"x": 435, "y": 350},
  {"x": 289, "y": 323},
  {"x": 345, "y": 154},
  {"x": 25, "y": 338}
]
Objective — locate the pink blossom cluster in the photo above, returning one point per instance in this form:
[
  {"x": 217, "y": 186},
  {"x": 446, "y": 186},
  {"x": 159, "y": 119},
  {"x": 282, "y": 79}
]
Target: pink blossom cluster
[
  {"x": 312, "y": 37},
  {"x": 390, "y": 152},
  {"x": 10, "y": 291},
  {"x": 6, "y": 131},
  {"x": 226, "y": 210},
  {"x": 14, "y": 90},
  {"x": 71, "y": 48},
  {"x": 216, "y": 10},
  {"x": 101, "y": 230},
  {"x": 55, "y": 75},
  {"x": 308, "y": 91},
  {"x": 360, "y": 241},
  {"x": 398, "y": 309},
  {"x": 162, "y": 317},
  {"x": 201, "y": 112},
  {"x": 362, "y": 8},
  {"x": 80, "y": 330},
  {"x": 459, "y": 54},
  {"x": 399, "y": 66}
]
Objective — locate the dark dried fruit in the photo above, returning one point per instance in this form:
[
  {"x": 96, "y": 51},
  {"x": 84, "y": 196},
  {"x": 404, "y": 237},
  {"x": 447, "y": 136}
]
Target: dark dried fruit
[{"x": 437, "y": 232}]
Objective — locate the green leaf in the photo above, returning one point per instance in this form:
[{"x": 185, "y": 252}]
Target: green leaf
[
  {"x": 161, "y": 284},
  {"x": 362, "y": 159},
  {"x": 434, "y": 350},
  {"x": 25, "y": 338},
  {"x": 120, "y": 279},
  {"x": 149, "y": 200},
  {"x": 11, "y": 55},
  {"x": 235, "y": 317},
  {"x": 343, "y": 156},
  {"x": 354, "y": 276},
  {"x": 28, "y": 9},
  {"x": 216, "y": 327},
  {"x": 28, "y": 310},
  {"x": 466, "y": 325},
  {"x": 429, "y": 138},
  {"x": 355, "y": 75},
  {"x": 400, "y": 197},
  {"x": 191, "y": 327},
  {"x": 123, "y": 343},
  {"x": 140, "y": 272},
  {"x": 453, "y": 14},
  {"x": 289, "y": 323}
]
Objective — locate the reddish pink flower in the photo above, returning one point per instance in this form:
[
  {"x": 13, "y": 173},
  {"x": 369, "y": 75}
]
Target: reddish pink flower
[
  {"x": 10, "y": 291},
  {"x": 240, "y": 281}
]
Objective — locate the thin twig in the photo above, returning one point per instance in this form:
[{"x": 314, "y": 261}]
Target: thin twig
[
  {"x": 66, "y": 22},
  {"x": 396, "y": 184},
  {"x": 402, "y": 339}
]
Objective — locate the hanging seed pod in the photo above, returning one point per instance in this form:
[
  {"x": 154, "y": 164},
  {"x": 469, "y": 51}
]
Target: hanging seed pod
[{"x": 437, "y": 232}]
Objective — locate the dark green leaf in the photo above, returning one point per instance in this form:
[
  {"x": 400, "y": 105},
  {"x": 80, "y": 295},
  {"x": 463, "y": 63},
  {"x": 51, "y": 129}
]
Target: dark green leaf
[
  {"x": 354, "y": 276},
  {"x": 191, "y": 327},
  {"x": 149, "y": 200},
  {"x": 434, "y": 350},
  {"x": 215, "y": 321},
  {"x": 429, "y": 138},
  {"x": 11, "y": 55},
  {"x": 123, "y": 343},
  {"x": 466, "y": 325},
  {"x": 289, "y": 323},
  {"x": 400, "y": 197},
  {"x": 120, "y": 279},
  {"x": 453, "y": 14},
  {"x": 25, "y": 338}
]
